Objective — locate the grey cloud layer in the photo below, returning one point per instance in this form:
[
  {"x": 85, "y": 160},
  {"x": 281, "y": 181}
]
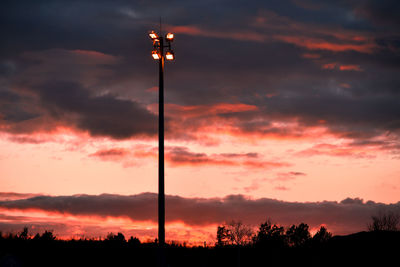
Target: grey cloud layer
[
  {"x": 349, "y": 215},
  {"x": 272, "y": 74}
]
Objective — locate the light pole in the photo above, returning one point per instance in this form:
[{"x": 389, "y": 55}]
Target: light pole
[{"x": 161, "y": 43}]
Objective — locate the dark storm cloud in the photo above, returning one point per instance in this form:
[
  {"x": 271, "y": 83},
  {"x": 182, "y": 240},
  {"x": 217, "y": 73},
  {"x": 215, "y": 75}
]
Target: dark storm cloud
[
  {"x": 11, "y": 107},
  {"x": 350, "y": 115},
  {"x": 69, "y": 88},
  {"x": 349, "y": 215},
  {"x": 103, "y": 115},
  {"x": 237, "y": 52},
  {"x": 384, "y": 12}
]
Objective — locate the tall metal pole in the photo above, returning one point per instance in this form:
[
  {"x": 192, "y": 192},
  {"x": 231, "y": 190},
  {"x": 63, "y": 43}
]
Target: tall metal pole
[
  {"x": 161, "y": 195},
  {"x": 158, "y": 54}
]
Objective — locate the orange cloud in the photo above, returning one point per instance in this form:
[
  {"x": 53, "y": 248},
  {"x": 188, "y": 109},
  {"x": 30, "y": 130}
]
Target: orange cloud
[
  {"x": 313, "y": 36},
  {"x": 208, "y": 110},
  {"x": 286, "y": 30},
  {"x": 336, "y": 151},
  {"x": 207, "y": 123},
  {"x": 334, "y": 65},
  {"x": 321, "y": 44},
  {"x": 350, "y": 68}
]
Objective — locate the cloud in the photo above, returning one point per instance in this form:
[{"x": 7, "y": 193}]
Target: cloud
[
  {"x": 336, "y": 150},
  {"x": 350, "y": 68},
  {"x": 60, "y": 88},
  {"x": 285, "y": 29},
  {"x": 31, "y": 139},
  {"x": 72, "y": 106},
  {"x": 347, "y": 216},
  {"x": 335, "y": 65},
  {"x": 281, "y": 188},
  {"x": 321, "y": 44},
  {"x": 311, "y": 56},
  {"x": 10, "y": 196},
  {"x": 14, "y": 108},
  {"x": 218, "y": 109},
  {"x": 297, "y": 173},
  {"x": 283, "y": 179},
  {"x": 242, "y": 155},
  {"x": 240, "y": 36},
  {"x": 329, "y": 66},
  {"x": 103, "y": 115},
  {"x": 380, "y": 12},
  {"x": 261, "y": 71},
  {"x": 286, "y": 176},
  {"x": 111, "y": 154},
  {"x": 181, "y": 156}
]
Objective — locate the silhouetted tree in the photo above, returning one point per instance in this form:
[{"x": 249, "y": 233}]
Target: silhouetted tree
[
  {"x": 270, "y": 235},
  {"x": 24, "y": 234},
  {"x": 384, "y": 221},
  {"x": 46, "y": 236},
  {"x": 222, "y": 236},
  {"x": 134, "y": 241},
  {"x": 234, "y": 233},
  {"x": 240, "y": 234},
  {"x": 118, "y": 238},
  {"x": 322, "y": 235},
  {"x": 298, "y": 235}
]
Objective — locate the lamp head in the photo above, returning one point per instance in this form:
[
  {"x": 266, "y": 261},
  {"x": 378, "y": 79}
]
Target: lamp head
[
  {"x": 153, "y": 35},
  {"x": 169, "y": 36},
  {"x": 155, "y": 54},
  {"x": 169, "y": 55}
]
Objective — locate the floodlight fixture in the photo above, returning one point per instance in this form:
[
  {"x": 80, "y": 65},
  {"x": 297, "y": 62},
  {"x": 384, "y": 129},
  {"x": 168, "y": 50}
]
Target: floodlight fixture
[
  {"x": 159, "y": 43},
  {"x": 153, "y": 35},
  {"x": 169, "y": 55},
  {"x": 169, "y": 36},
  {"x": 155, "y": 54}
]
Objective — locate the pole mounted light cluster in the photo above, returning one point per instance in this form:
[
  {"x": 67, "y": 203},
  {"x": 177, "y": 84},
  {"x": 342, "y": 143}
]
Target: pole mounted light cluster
[
  {"x": 158, "y": 46},
  {"x": 161, "y": 51}
]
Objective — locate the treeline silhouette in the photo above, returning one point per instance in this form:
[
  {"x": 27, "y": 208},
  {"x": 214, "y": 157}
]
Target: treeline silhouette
[
  {"x": 270, "y": 236},
  {"x": 236, "y": 245}
]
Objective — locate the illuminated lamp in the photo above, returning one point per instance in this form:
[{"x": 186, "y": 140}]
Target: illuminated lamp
[
  {"x": 169, "y": 37},
  {"x": 155, "y": 54},
  {"x": 153, "y": 35},
  {"x": 169, "y": 55}
]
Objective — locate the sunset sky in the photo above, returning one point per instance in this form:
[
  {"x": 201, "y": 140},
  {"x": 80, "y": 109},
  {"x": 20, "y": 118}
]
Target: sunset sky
[{"x": 288, "y": 110}]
